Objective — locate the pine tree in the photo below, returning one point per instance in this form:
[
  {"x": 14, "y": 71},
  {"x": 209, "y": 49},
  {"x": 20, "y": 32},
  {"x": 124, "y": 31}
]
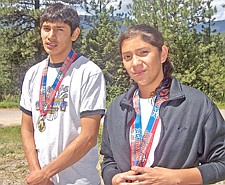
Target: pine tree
[
  {"x": 100, "y": 44},
  {"x": 19, "y": 30},
  {"x": 191, "y": 52},
  {"x": 20, "y": 33}
]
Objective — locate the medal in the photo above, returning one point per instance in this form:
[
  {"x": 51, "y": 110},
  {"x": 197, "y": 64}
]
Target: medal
[
  {"x": 141, "y": 145},
  {"x": 41, "y": 124},
  {"x": 46, "y": 99}
]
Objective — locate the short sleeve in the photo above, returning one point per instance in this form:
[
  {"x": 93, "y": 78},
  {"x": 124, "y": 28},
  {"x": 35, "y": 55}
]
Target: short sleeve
[
  {"x": 25, "y": 99},
  {"x": 93, "y": 95}
]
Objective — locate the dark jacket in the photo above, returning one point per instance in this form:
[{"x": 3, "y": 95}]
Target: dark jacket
[{"x": 192, "y": 135}]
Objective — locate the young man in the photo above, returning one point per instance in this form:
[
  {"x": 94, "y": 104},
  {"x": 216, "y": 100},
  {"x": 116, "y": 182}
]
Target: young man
[{"x": 63, "y": 100}]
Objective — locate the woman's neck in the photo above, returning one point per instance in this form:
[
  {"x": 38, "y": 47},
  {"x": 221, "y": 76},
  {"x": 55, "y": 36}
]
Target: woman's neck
[
  {"x": 148, "y": 91},
  {"x": 146, "y": 95}
]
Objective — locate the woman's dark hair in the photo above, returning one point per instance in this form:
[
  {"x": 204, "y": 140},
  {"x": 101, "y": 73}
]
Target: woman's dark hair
[
  {"x": 151, "y": 36},
  {"x": 61, "y": 13}
]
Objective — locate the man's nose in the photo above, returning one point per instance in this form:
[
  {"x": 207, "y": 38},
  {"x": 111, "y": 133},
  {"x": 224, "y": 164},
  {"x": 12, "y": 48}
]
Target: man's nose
[{"x": 51, "y": 34}]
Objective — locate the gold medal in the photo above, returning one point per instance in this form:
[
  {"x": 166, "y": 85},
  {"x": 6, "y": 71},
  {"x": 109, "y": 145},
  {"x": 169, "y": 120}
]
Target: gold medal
[{"x": 41, "y": 124}]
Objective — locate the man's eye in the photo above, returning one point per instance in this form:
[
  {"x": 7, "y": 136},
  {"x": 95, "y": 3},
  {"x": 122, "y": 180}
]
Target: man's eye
[
  {"x": 46, "y": 29},
  {"x": 60, "y": 29}
]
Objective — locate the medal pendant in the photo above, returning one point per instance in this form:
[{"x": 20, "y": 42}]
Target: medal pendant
[{"x": 41, "y": 124}]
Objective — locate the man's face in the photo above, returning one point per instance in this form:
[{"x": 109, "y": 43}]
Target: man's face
[{"x": 57, "y": 40}]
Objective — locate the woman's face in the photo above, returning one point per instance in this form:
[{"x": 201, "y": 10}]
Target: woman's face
[{"x": 143, "y": 62}]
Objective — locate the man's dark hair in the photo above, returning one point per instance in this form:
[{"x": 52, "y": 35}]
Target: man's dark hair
[{"x": 61, "y": 13}]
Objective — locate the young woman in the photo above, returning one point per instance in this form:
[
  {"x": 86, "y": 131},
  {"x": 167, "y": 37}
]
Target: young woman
[{"x": 160, "y": 131}]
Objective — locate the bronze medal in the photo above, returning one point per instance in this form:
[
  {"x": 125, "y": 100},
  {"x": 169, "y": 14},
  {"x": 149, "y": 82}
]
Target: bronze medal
[{"x": 41, "y": 124}]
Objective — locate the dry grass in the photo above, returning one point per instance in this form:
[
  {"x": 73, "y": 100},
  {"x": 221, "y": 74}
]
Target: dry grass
[{"x": 13, "y": 166}]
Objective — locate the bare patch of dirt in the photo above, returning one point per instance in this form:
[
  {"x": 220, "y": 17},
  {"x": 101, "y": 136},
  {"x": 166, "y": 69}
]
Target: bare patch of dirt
[{"x": 13, "y": 169}]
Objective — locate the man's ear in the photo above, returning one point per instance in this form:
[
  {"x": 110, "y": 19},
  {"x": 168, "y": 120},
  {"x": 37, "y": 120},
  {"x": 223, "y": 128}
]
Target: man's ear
[
  {"x": 75, "y": 34},
  {"x": 164, "y": 53}
]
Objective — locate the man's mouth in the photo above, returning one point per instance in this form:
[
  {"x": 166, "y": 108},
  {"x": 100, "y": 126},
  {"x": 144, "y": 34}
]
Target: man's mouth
[{"x": 50, "y": 45}]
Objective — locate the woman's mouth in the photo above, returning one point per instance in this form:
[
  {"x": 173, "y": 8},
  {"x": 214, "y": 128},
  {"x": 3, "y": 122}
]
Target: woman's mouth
[{"x": 139, "y": 73}]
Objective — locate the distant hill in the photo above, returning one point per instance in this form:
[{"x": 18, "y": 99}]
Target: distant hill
[{"x": 219, "y": 26}]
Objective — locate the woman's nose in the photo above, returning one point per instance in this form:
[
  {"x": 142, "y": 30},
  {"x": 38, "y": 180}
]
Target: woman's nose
[{"x": 136, "y": 60}]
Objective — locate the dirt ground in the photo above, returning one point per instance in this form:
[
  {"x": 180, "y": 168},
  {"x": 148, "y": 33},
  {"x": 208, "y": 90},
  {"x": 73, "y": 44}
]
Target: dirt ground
[
  {"x": 9, "y": 117},
  {"x": 13, "y": 167}
]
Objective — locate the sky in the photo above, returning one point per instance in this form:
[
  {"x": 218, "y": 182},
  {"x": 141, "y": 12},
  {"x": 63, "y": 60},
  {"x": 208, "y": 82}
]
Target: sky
[{"x": 220, "y": 15}]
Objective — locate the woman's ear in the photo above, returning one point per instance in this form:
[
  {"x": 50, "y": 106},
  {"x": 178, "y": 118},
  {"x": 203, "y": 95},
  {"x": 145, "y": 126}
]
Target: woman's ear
[
  {"x": 75, "y": 34},
  {"x": 164, "y": 53}
]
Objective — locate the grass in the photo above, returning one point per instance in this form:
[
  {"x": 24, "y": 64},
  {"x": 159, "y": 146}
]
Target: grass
[
  {"x": 221, "y": 105},
  {"x": 7, "y": 105},
  {"x": 10, "y": 141},
  {"x": 10, "y": 101},
  {"x": 13, "y": 166}
]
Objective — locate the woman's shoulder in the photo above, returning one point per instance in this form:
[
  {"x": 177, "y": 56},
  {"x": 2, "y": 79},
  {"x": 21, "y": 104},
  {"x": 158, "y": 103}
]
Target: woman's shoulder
[{"x": 187, "y": 90}]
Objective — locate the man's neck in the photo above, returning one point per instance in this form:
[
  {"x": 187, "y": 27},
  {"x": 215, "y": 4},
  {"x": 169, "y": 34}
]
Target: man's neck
[{"x": 59, "y": 58}]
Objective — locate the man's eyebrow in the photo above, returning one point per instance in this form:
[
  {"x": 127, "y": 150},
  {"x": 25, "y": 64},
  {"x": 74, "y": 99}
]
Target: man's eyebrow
[
  {"x": 60, "y": 26},
  {"x": 45, "y": 26},
  {"x": 54, "y": 26}
]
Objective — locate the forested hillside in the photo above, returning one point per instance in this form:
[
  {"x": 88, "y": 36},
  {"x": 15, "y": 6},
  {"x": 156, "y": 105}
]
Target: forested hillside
[
  {"x": 218, "y": 26},
  {"x": 197, "y": 53}
]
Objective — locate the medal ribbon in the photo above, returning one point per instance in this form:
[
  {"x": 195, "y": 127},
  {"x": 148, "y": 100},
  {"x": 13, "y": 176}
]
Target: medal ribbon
[
  {"x": 45, "y": 100},
  {"x": 141, "y": 146}
]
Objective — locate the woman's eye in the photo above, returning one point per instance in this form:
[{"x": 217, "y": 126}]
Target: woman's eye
[
  {"x": 144, "y": 53},
  {"x": 126, "y": 57}
]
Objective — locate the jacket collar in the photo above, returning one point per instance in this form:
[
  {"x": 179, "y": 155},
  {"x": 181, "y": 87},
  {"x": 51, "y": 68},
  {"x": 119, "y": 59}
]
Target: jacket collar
[
  {"x": 176, "y": 92},
  {"x": 127, "y": 98}
]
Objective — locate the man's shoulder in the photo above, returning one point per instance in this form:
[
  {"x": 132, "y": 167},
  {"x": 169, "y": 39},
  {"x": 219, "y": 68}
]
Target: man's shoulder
[
  {"x": 85, "y": 63},
  {"x": 37, "y": 66}
]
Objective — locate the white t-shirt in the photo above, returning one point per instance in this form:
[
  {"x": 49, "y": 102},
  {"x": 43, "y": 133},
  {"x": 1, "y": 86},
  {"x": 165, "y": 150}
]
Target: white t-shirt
[
  {"x": 81, "y": 93},
  {"x": 146, "y": 110}
]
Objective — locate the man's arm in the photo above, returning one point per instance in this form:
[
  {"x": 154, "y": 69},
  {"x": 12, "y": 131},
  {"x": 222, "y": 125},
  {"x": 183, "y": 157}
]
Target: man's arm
[
  {"x": 72, "y": 153},
  {"x": 78, "y": 147},
  {"x": 27, "y": 133}
]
